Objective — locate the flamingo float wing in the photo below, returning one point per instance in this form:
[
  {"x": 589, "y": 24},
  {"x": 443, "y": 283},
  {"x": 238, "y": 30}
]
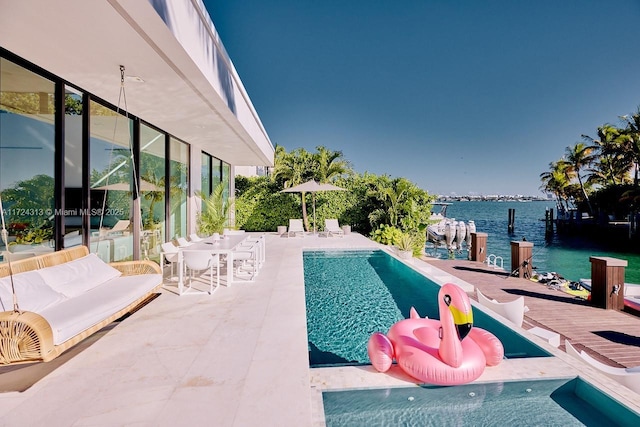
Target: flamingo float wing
[{"x": 491, "y": 346}]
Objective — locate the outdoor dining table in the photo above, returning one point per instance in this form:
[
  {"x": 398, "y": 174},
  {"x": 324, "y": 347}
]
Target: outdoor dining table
[{"x": 223, "y": 246}]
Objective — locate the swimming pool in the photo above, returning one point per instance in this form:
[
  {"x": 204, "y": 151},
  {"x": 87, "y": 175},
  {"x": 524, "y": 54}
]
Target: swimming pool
[
  {"x": 559, "y": 402},
  {"x": 352, "y": 294}
]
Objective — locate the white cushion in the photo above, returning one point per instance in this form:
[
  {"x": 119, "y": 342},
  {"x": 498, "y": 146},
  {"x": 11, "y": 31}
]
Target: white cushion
[
  {"x": 32, "y": 292},
  {"x": 78, "y": 276},
  {"x": 75, "y": 315}
]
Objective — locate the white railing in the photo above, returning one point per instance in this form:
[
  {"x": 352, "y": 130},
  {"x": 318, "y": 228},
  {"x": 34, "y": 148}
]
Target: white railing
[{"x": 492, "y": 261}]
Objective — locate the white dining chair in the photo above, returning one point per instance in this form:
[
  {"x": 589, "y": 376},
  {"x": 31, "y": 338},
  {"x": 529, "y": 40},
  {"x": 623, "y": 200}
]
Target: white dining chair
[
  {"x": 246, "y": 256},
  {"x": 198, "y": 261},
  {"x": 169, "y": 254},
  {"x": 194, "y": 238},
  {"x": 261, "y": 249}
]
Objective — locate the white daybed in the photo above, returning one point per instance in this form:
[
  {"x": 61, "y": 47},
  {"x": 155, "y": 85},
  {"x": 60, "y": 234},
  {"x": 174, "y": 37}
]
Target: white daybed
[{"x": 64, "y": 297}]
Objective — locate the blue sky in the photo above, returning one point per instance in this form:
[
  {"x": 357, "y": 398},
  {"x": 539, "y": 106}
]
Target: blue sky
[{"x": 460, "y": 97}]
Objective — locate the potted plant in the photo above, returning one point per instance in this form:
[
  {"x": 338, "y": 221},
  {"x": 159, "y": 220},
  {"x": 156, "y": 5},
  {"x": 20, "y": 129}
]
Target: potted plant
[
  {"x": 405, "y": 246},
  {"x": 214, "y": 214}
]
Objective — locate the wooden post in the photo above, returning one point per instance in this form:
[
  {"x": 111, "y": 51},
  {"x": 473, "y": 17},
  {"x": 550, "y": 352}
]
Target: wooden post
[
  {"x": 512, "y": 220},
  {"x": 607, "y": 282},
  {"x": 522, "y": 258},
  {"x": 478, "y": 247},
  {"x": 548, "y": 220}
]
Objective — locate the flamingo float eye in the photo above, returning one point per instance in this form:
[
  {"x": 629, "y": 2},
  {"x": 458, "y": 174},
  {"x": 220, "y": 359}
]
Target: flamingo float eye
[{"x": 447, "y": 300}]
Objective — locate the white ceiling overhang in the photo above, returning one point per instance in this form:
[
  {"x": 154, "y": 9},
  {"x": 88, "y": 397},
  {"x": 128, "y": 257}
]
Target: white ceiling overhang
[{"x": 85, "y": 42}]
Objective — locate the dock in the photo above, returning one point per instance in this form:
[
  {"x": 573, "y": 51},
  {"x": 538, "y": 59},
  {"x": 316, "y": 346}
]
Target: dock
[{"x": 610, "y": 336}]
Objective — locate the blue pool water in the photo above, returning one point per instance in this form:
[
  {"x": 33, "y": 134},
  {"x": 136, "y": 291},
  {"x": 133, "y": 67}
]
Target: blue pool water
[
  {"x": 352, "y": 294},
  {"x": 557, "y": 402}
]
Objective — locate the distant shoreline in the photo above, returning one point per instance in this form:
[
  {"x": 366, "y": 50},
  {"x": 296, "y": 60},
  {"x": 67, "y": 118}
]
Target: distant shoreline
[{"x": 494, "y": 198}]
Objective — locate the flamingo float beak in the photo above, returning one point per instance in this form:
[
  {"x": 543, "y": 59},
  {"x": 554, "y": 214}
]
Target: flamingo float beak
[{"x": 462, "y": 320}]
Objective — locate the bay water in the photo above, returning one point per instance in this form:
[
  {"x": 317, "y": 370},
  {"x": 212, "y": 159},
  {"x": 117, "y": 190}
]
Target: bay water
[{"x": 567, "y": 256}]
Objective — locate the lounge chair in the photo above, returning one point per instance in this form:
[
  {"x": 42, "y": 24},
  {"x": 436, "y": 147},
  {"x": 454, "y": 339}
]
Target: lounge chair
[
  {"x": 628, "y": 377},
  {"x": 295, "y": 227},
  {"x": 120, "y": 227},
  {"x": 182, "y": 242},
  {"x": 512, "y": 311},
  {"x": 332, "y": 228}
]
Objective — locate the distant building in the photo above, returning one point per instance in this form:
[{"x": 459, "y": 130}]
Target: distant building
[{"x": 251, "y": 171}]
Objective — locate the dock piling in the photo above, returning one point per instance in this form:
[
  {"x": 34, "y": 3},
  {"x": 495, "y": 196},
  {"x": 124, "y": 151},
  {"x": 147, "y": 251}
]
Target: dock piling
[
  {"x": 478, "y": 247},
  {"x": 512, "y": 220},
  {"x": 607, "y": 282},
  {"x": 521, "y": 259},
  {"x": 548, "y": 222}
]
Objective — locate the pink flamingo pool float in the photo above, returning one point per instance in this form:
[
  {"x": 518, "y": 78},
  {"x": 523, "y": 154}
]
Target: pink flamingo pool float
[{"x": 448, "y": 351}]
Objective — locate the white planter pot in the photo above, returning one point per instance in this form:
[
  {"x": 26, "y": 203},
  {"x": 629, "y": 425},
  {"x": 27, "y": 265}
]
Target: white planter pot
[{"x": 405, "y": 254}]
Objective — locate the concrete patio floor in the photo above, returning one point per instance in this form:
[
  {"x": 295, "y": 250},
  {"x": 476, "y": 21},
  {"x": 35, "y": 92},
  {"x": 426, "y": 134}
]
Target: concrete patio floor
[{"x": 236, "y": 358}]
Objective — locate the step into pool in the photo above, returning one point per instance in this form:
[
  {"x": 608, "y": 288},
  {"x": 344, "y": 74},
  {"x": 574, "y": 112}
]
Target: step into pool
[{"x": 555, "y": 402}]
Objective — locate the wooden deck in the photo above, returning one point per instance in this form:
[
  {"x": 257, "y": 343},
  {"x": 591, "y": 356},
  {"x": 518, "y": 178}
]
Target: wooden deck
[{"x": 610, "y": 336}]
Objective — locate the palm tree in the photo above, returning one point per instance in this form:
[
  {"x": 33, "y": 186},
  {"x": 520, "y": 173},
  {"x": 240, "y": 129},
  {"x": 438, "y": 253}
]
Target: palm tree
[
  {"x": 579, "y": 157},
  {"x": 292, "y": 169},
  {"x": 329, "y": 165},
  {"x": 630, "y": 140},
  {"x": 393, "y": 196},
  {"x": 556, "y": 181},
  {"x": 609, "y": 171},
  {"x": 612, "y": 165},
  {"x": 152, "y": 197}
]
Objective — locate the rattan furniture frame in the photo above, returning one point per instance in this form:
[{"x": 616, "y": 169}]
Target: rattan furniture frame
[{"x": 27, "y": 337}]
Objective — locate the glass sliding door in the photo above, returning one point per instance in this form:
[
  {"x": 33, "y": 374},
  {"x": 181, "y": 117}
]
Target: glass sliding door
[
  {"x": 205, "y": 175},
  {"x": 73, "y": 149},
  {"x": 27, "y": 147},
  {"x": 224, "y": 178},
  {"x": 212, "y": 170},
  {"x": 152, "y": 185},
  {"x": 111, "y": 185},
  {"x": 179, "y": 183},
  {"x": 216, "y": 174}
]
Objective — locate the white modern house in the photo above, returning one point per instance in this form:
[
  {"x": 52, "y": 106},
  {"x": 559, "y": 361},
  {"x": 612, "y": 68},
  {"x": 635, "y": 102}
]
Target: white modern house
[{"x": 114, "y": 111}]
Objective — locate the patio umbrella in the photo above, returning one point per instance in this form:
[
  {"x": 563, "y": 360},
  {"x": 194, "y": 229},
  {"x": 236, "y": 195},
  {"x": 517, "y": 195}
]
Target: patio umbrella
[{"x": 312, "y": 187}]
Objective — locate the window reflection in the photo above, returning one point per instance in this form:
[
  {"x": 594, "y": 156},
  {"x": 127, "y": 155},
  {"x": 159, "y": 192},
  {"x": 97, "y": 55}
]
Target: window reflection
[
  {"x": 205, "y": 175},
  {"x": 73, "y": 208},
  {"x": 27, "y": 158},
  {"x": 152, "y": 185},
  {"x": 179, "y": 167},
  {"x": 111, "y": 184}
]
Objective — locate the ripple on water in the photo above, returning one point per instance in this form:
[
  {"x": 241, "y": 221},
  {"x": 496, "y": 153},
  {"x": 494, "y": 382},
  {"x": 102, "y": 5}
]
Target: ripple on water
[{"x": 349, "y": 306}]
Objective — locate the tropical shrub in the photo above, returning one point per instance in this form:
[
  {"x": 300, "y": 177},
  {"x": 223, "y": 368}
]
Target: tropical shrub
[
  {"x": 387, "y": 235},
  {"x": 405, "y": 242},
  {"x": 369, "y": 202},
  {"x": 261, "y": 207},
  {"x": 214, "y": 212}
]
